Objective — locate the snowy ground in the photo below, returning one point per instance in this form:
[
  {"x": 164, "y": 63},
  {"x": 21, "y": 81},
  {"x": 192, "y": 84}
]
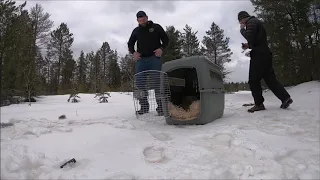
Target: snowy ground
[{"x": 108, "y": 142}]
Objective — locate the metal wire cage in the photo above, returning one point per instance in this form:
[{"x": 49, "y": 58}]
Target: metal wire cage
[{"x": 151, "y": 93}]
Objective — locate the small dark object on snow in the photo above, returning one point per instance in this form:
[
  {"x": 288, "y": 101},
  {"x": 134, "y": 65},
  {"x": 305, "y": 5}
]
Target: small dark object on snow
[
  {"x": 248, "y": 104},
  {"x": 68, "y": 162},
  {"x": 73, "y": 98},
  {"x": 32, "y": 99},
  {"x": 103, "y": 99},
  {"x": 62, "y": 116},
  {"x": 4, "y": 125}
]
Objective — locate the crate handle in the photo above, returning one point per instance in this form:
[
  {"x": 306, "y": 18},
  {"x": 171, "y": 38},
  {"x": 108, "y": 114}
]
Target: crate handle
[{"x": 214, "y": 91}]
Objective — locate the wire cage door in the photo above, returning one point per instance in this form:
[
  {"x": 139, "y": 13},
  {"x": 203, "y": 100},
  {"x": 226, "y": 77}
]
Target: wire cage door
[{"x": 151, "y": 93}]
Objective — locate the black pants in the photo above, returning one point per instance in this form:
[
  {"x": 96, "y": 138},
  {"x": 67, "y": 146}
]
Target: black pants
[{"x": 261, "y": 68}]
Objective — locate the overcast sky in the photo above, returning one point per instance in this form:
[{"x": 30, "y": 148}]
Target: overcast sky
[{"x": 93, "y": 22}]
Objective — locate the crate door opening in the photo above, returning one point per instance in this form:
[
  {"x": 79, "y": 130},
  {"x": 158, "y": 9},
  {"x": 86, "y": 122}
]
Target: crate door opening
[{"x": 185, "y": 95}]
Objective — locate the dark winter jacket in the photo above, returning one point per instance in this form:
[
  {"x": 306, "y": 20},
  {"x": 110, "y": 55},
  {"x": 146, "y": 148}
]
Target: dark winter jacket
[
  {"x": 255, "y": 34},
  {"x": 148, "y": 39}
]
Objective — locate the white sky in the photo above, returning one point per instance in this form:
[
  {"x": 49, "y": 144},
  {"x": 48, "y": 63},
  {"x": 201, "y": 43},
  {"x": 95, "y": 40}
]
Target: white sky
[{"x": 93, "y": 22}]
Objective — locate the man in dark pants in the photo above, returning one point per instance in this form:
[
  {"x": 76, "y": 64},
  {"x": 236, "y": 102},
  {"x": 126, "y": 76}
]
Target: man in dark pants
[
  {"x": 148, "y": 36},
  {"x": 261, "y": 67}
]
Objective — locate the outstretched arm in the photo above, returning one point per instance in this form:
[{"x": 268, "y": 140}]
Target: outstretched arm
[{"x": 132, "y": 41}]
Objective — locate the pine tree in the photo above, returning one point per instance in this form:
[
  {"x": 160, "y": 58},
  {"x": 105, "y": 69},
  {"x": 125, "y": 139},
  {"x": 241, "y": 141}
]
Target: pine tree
[
  {"x": 96, "y": 73},
  {"x": 50, "y": 72},
  {"x": 17, "y": 52},
  {"x": 173, "y": 51},
  {"x": 190, "y": 42},
  {"x": 41, "y": 27},
  {"x": 59, "y": 48},
  {"x": 127, "y": 69},
  {"x": 41, "y": 71},
  {"x": 41, "y": 24},
  {"x": 68, "y": 72},
  {"x": 10, "y": 13},
  {"x": 90, "y": 75},
  {"x": 27, "y": 65},
  {"x": 105, "y": 53},
  {"x": 114, "y": 71},
  {"x": 216, "y": 47},
  {"x": 82, "y": 72}
]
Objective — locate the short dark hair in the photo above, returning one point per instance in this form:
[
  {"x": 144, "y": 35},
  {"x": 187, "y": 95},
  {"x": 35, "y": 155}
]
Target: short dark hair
[{"x": 141, "y": 14}]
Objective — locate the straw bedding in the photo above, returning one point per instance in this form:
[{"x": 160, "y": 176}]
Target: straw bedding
[{"x": 182, "y": 114}]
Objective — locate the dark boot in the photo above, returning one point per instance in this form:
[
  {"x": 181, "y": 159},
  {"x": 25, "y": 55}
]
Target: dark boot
[
  {"x": 159, "y": 109},
  {"x": 256, "y": 108},
  {"x": 286, "y": 103},
  {"x": 144, "y": 106}
]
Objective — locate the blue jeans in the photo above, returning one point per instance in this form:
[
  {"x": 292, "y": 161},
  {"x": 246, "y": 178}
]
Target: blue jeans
[
  {"x": 145, "y": 64},
  {"x": 149, "y": 63}
]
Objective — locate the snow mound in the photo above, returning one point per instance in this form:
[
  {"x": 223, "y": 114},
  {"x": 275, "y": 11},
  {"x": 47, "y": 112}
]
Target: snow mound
[{"x": 18, "y": 162}]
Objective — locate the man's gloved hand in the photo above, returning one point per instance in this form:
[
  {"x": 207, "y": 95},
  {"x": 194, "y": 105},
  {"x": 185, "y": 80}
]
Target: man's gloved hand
[
  {"x": 242, "y": 25},
  {"x": 245, "y": 46},
  {"x": 136, "y": 56}
]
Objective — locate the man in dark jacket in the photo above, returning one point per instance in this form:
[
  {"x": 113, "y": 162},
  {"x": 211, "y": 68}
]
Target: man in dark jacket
[
  {"x": 148, "y": 36},
  {"x": 261, "y": 67}
]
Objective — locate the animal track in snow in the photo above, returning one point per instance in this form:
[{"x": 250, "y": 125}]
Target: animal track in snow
[
  {"x": 219, "y": 141},
  {"x": 161, "y": 136},
  {"x": 122, "y": 124},
  {"x": 154, "y": 154},
  {"x": 223, "y": 139},
  {"x": 114, "y": 122},
  {"x": 246, "y": 127},
  {"x": 280, "y": 128},
  {"x": 243, "y": 152},
  {"x": 222, "y": 173}
]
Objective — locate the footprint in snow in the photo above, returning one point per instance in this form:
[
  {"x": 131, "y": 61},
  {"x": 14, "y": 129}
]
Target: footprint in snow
[
  {"x": 222, "y": 172},
  {"x": 281, "y": 129},
  {"x": 154, "y": 154},
  {"x": 298, "y": 163},
  {"x": 223, "y": 139},
  {"x": 219, "y": 142},
  {"x": 122, "y": 175},
  {"x": 161, "y": 136},
  {"x": 244, "y": 152}
]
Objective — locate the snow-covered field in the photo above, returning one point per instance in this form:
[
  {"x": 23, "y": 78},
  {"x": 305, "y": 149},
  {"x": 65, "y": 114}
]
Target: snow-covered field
[{"x": 108, "y": 142}]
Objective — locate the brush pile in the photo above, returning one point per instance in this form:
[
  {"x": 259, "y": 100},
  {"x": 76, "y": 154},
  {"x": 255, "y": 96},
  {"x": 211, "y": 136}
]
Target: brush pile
[{"x": 180, "y": 113}]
